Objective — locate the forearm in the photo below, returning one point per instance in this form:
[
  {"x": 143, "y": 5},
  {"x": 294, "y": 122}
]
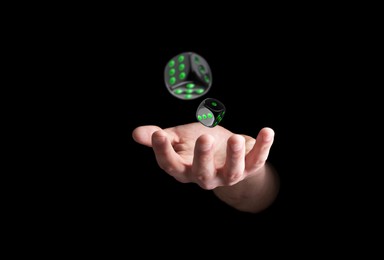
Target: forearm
[{"x": 253, "y": 194}]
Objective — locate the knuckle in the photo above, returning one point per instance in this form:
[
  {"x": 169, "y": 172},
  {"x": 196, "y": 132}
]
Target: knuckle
[
  {"x": 205, "y": 182},
  {"x": 207, "y": 186},
  {"x": 168, "y": 168},
  {"x": 234, "y": 177}
]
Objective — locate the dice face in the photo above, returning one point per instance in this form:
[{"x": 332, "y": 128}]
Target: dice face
[
  {"x": 210, "y": 112},
  {"x": 188, "y": 76}
]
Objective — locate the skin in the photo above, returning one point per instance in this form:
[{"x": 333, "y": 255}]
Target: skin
[{"x": 234, "y": 166}]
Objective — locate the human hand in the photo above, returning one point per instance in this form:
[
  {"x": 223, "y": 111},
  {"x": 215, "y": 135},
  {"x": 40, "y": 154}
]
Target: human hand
[{"x": 210, "y": 157}]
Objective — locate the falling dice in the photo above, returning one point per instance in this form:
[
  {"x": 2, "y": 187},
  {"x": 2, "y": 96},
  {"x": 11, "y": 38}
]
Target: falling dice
[
  {"x": 210, "y": 112},
  {"x": 188, "y": 76}
]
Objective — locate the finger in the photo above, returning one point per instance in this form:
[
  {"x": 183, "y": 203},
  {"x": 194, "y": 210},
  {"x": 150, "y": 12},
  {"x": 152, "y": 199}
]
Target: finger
[
  {"x": 249, "y": 143},
  {"x": 166, "y": 157},
  {"x": 203, "y": 166},
  {"x": 234, "y": 164},
  {"x": 143, "y": 134},
  {"x": 260, "y": 151}
]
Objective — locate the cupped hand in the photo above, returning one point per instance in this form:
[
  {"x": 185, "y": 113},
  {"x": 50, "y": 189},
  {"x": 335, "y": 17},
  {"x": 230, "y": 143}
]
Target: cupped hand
[{"x": 210, "y": 157}]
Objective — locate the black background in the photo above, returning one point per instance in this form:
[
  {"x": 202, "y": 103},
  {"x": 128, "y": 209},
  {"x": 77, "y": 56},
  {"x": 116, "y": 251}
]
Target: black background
[
  {"x": 91, "y": 77},
  {"x": 100, "y": 183},
  {"x": 275, "y": 82}
]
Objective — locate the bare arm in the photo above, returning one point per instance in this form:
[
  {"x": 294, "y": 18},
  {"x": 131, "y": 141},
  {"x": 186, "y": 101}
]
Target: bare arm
[{"x": 253, "y": 194}]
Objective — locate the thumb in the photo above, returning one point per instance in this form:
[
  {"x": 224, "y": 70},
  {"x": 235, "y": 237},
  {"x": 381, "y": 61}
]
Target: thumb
[{"x": 143, "y": 134}]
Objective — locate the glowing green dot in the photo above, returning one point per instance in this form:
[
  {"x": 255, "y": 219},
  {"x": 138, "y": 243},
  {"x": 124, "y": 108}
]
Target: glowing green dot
[
  {"x": 171, "y": 63},
  {"x": 189, "y": 91},
  {"x": 204, "y": 116},
  {"x": 210, "y": 115},
  {"x": 188, "y": 96},
  {"x": 199, "y": 90},
  {"x": 182, "y": 75},
  {"x": 199, "y": 117},
  {"x": 201, "y": 69},
  {"x": 190, "y": 85},
  {"x": 178, "y": 91},
  {"x": 197, "y": 60},
  {"x": 214, "y": 104},
  {"x": 206, "y": 78},
  {"x": 181, "y": 66},
  {"x": 172, "y": 72},
  {"x": 181, "y": 58},
  {"x": 172, "y": 80}
]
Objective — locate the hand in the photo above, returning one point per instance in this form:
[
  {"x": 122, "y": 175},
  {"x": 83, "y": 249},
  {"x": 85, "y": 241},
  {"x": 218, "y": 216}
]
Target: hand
[
  {"x": 215, "y": 158},
  {"x": 210, "y": 157}
]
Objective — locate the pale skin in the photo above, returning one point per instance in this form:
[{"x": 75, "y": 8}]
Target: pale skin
[{"x": 234, "y": 166}]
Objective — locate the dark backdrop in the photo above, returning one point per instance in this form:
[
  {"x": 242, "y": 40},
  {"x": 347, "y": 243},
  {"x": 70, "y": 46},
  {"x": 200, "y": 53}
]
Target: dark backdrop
[
  {"x": 114, "y": 83},
  {"x": 262, "y": 83},
  {"x": 90, "y": 83}
]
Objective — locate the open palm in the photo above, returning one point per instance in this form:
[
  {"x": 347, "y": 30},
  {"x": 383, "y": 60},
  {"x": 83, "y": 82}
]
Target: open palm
[{"x": 210, "y": 157}]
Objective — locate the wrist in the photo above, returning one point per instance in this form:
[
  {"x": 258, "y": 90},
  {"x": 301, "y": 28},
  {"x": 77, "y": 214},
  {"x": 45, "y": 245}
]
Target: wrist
[{"x": 254, "y": 193}]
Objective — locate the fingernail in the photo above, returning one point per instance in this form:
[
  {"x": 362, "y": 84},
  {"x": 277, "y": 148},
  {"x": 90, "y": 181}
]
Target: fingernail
[
  {"x": 206, "y": 147},
  {"x": 267, "y": 138},
  {"x": 159, "y": 139},
  {"x": 236, "y": 147}
]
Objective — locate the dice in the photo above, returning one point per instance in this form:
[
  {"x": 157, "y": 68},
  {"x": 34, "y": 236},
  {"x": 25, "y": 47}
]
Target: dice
[
  {"x": 188, "y": 76},
  {"x": 210, "y": 112}
]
